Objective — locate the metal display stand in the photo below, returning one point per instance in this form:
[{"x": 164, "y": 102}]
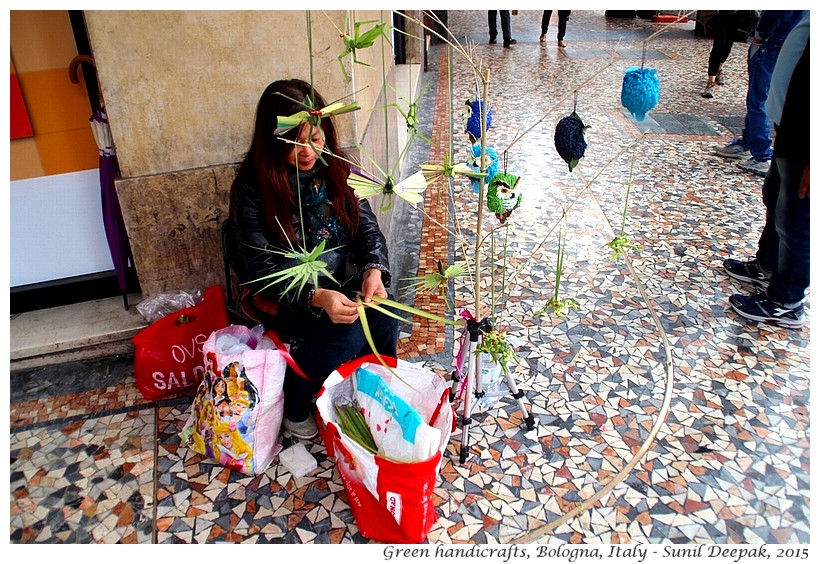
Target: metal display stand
[{"x": 474, "y": 388}]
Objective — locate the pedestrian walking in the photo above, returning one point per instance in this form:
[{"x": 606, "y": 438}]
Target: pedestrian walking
[{"x": 563, "y": 17}]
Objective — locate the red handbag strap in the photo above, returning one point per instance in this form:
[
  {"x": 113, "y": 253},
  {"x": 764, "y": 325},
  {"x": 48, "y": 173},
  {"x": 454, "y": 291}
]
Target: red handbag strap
[{"x": 285, "y": 353}]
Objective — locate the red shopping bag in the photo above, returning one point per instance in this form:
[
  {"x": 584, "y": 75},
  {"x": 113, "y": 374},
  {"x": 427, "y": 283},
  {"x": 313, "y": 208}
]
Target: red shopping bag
[
  {"x": 391, "y": 501},
  {"x": 168, "y": 353}
]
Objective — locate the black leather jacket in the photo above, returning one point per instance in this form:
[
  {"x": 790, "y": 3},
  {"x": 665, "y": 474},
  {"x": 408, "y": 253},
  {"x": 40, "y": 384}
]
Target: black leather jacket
[{"x": 252, "y": 257}]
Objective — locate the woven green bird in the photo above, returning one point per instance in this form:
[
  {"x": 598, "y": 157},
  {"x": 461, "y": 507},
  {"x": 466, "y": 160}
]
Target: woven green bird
[{"x": 503, "y": 196}]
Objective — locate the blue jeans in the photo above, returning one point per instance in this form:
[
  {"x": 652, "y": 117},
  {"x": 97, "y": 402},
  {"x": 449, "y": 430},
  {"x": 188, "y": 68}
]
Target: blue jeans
[
  {"x": 325, "y": 347},
  {"x": 784, "y": 245},
  {"x": 757, "y": 136}
]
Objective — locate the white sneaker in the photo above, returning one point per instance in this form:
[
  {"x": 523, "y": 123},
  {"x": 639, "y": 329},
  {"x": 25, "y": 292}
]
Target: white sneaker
[
  {"x": 753, "y": 165},
  {"x": 733, "y": 150},
  {"x": 302, "y": 429}
]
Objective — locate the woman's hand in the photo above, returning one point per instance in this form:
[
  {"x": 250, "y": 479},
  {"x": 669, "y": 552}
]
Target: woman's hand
[
  {"x": 372, "y": 284},
  {"x": 338, "y": 307}
]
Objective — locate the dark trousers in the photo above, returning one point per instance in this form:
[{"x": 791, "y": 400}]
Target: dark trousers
[
  {"x": 784, "y": 246},
  {"x": 327, "y": 346},
  {"x": 505, "y": 24},
  {"x": 724, "y": 28},
  {"x": 563, "y": 17}
]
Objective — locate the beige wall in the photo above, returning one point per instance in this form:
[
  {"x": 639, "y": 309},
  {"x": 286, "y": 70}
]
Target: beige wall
[{"x": 181, "y": 89}]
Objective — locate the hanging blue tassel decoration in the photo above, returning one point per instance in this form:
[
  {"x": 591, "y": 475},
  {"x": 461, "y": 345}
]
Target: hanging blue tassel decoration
[
  {"x": 490, "y": 155},
  {"x": 569, "y": 139},
  {"x": 641, "y": 91},
  {"x": 474, "y": 112}
]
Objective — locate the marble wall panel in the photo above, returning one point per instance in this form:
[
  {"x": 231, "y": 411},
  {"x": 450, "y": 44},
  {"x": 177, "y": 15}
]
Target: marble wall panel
[{"x": 173, "y": 222}]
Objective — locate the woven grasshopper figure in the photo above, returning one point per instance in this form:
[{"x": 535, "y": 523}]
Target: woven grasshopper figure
[
  {"x": 313, "y": 116},
  {"x": 410, "y": 115},
  {"x": 360, "y": 40}
]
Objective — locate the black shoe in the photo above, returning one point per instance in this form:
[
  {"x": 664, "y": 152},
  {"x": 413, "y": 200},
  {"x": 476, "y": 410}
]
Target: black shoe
[
  {"x": 747, "y": 271},
  {"x": 493, "y": 41},
  {"x": 509, "y": 42},
  {"x": 708, "y": 92},
  {"x": 758, "y": 307}
]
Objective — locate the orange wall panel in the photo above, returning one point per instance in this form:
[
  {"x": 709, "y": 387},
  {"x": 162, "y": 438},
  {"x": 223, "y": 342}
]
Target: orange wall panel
[
  {"x": 54, "y": 103},
  {"x": 68, "y": 151},
  {"x": 41, "y": 40},
  {"x": 25, "y": 159}
]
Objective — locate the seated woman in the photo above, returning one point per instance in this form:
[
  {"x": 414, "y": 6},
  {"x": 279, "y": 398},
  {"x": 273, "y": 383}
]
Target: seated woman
[{"x": 286, "y": 197}]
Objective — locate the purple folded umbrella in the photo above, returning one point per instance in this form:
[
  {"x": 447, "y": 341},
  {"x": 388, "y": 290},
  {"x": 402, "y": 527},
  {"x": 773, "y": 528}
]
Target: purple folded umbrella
[{"x": 113, "y": 223}]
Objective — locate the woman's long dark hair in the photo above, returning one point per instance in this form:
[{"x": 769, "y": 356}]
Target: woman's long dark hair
[{"x": 265, "y": 163}]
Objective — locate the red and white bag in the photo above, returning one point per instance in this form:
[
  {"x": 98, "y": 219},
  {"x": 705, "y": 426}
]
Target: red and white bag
[
  {"x": 391, "y": 501},
  {"x": 168, "y": 353}
]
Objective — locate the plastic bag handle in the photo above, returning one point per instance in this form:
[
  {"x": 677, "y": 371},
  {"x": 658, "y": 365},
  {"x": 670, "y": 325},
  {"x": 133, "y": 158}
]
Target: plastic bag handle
[
  {"x": 445, "y": 395},
  {"x": 270, "y": 333}
]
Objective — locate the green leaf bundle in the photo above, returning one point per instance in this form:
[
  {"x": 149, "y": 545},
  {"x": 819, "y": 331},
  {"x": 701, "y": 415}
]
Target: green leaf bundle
[{"x": 352, "y": 422}]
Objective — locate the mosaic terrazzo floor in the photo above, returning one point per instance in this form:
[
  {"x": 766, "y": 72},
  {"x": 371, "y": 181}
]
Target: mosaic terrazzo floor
[{"x": 661, "y": 416}]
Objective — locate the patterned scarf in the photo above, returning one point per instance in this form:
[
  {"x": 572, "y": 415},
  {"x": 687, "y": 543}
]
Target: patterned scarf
[{"x": 320, "y": 219}]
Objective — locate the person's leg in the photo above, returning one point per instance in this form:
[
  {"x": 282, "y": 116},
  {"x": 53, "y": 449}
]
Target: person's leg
[
  {"x": 723, "y": 42},
  {"x": 769, "y": 242},
  {"x": 715, "y": 54},
  {"x": 730, "y": 23},
  {"x": 492, "y": 22},
  {"x": 330, "y": 346},
  {"x": 299, "y": 394},
  {"x": 505, "y": 26},
  {"x": 790, "y": 278},
  {"x": 756, "y": 131},
  {"x": 545, "y": 22},
  {"x": 333, "y": 345},
  {"x": 723, "y": 29},
  {"x": 385, "y": 333},
  {"x": 563, "y": 17},
  {"x": 787, "y": 224}
]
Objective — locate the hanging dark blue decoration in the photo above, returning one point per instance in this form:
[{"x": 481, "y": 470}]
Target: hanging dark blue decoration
[
  {"x": 641, "y": 91},
  {"x": 490, "y": 158},
  {"x": 475, "y": 109},
  {"x": 569, "y": 139}
]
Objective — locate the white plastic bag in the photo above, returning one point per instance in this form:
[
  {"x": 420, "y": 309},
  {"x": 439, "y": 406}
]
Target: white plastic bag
[
  {"x": 158, "y": 306},
  {"x": 398, "y": 429}
]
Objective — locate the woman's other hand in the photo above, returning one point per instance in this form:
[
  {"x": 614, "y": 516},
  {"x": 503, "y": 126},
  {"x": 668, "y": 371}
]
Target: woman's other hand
[{"x": 372, "y": 284}]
